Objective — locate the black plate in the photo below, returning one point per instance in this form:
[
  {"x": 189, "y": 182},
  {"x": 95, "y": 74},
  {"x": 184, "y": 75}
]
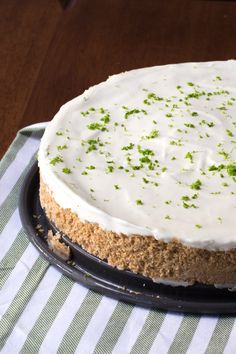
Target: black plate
[{"x": 99, "y": 276}]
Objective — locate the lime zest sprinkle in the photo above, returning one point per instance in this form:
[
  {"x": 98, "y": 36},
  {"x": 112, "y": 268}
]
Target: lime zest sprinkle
[
  {"x": 61, "y": 147},
  {"x": 139, "y": 202},
  {"x": 196, "y": 185},
  {"x": 189, "y": 156},
  {"x": 56, "y": 160},
  {"x": 66, "y": 170},
  {"x": 198, "y": 226},
  {"x": 128, "y": 147},
  {"x": 229, "y": 133}
]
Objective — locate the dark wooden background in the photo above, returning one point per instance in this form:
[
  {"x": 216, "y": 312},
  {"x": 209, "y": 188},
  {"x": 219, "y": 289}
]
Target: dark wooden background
[{"x": 51, "y": 51}]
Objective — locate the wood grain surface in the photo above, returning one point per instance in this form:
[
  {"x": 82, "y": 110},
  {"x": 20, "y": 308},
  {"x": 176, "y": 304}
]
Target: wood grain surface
[{"x": 50, "y": 54}]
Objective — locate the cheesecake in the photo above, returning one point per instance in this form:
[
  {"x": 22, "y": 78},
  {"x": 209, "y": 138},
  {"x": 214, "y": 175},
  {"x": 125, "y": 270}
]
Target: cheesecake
[{"x": 140, "y": 171}]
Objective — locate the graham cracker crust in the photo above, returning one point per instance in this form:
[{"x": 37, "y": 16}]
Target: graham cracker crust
[{"x": 144, "y": 255}]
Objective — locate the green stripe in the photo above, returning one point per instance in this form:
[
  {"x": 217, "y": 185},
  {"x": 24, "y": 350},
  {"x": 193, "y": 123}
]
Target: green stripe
[
  {"x": 10, "y": 204},
  {"x": 114, "y": 328},
  {"x": 58, "y": 297},
  {"x": 12, "y": 151},
  {"x": 80, "y": 322},
  {"x": 39, "y": 131},
  {"x": 21, "y": 299},
  {"x": 184, "y": 335},
  {"x": 13, "y": 255},
  {"x": 220, "y": 335},
  {"x": 149, "y": 332}
]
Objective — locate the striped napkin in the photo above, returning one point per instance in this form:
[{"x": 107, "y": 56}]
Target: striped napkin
[{"x": 43, "y": 311}]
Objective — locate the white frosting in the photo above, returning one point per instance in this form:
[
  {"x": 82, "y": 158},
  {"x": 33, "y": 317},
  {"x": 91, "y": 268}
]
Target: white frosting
[
  {"x": 172, "y": 282},
  {"x": 230, "y": 287},
  {"x": 176, "y": 122}
]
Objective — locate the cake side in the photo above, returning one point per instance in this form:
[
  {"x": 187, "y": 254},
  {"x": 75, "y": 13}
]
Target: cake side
[{"x": 148, "y": 256}]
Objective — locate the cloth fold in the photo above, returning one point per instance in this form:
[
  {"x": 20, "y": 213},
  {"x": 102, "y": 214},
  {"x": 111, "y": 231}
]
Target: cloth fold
[{"x": 43, "y": 311}]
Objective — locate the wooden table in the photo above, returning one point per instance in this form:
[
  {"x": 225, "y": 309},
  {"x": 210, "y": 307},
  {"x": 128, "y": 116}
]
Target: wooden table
[{"x": 50, "y": 53}]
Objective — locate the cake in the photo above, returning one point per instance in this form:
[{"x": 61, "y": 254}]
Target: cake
[{"x": 140, "y": 171}]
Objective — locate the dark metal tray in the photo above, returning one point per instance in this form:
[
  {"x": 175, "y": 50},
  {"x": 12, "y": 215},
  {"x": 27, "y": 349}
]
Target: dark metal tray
[{"x": 99, "y": 276}]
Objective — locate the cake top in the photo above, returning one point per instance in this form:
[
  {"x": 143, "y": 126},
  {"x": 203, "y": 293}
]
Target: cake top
[{"x": 150, "y": 152}]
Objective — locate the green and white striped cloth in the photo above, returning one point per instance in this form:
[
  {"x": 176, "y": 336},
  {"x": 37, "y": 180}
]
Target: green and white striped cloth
[{"x": 43, "y": 311}]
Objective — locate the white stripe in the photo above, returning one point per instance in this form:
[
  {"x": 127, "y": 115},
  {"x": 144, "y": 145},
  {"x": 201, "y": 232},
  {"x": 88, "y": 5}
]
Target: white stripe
[
  {"x": 96, "y": 326},
  {"x": 15, "y": 169},
  {"x": 9, "y": 233},
  {"x": 166, "y": 334},
  {"x": 61, "y": 323},
  {"x": 131, "y": 331},
  {"x": 16, "y": 278},
  {"x": 230, "y": 347},
  {"x": 202, "y": 335},
  {"x": 32, "y": 311}
]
